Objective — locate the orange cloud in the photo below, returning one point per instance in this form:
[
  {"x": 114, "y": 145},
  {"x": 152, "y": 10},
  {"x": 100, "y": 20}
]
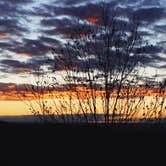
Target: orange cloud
[
  {"x": 11, "y": 87},
  {"x": 12, "y": 94},
  {"x": 2, "y": 36},
  {"x": 24, "y": 54},
  {"x": 92, "y": 20}
]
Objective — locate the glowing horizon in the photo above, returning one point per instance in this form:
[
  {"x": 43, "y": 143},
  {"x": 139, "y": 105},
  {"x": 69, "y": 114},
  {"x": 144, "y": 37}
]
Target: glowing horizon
[
  {"x": 15, "y": 105},
  {"x": 33, "y": 33}
]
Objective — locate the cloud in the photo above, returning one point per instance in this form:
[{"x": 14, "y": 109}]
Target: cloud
[
  {"x": 18, "y": 1},
  {"x": 23, "y": 54},
  {"x": 150, "y": 14},
  {"x": 13, "y": 63},
  {"x": 31, "y": 47},
  {"x": 2, "y": 36},
  {"x": 30, "y": 28},
  {"x": 73, "y": 2},
  {"x": 14, "y": 66},
  {"x": 5, "y": 87},
  {"x": 29, "y": 67},
  {"x": 150, "y": 49},
  {"x": 160, "y": 28}
]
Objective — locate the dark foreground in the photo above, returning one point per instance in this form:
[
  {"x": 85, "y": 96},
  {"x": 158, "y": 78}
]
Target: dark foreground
[{"x": 35, "y": 144}]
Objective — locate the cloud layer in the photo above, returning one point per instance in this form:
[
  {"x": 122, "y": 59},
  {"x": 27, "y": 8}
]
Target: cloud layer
[{"x": 30, "y": 28}]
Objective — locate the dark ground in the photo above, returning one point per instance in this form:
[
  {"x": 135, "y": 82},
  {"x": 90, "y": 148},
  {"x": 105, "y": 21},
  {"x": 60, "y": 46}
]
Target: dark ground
[{"x": 35, "y": 144}]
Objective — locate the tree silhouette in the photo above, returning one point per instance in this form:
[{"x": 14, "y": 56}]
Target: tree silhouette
[
  {"x": 102, "y": 55},
  {"x": 99, "y": 67}
]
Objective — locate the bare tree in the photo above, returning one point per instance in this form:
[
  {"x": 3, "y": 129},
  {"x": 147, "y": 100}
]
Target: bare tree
[
  {"x": 102, "y": 57},
  {"x": 100, "y": 80}
]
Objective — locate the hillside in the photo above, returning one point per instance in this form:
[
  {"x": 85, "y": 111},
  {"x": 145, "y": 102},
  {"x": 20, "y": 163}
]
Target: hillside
[{"x": 87, "y": 144}]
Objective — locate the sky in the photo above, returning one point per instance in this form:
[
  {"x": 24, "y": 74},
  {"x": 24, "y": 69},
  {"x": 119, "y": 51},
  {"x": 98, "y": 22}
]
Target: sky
[{"x": 30, "y": 28}]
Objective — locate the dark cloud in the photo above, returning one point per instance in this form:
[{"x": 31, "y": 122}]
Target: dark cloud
[
  {"x": 7, "y": 88},
  {"x": 49, "y": 40},
  {"x": 36, "y": 63},
  {"x": 150, "y": 3},
  {"x": 31, "y": 66},
  {"x": 13, "y": 63},
  {"x": 11, "y": 27},
  {"x": 162, "y": 42},
  {"x": 154, "y": 60},
  {"x": 61, "y": 26},
  {"x": 145, "y": 33},
  {"x": 32, "y": 47},
  {"x": 14, "y": 66},
  {"x": 54, "y": 22},
  {"x": 160, "y": 28},
  {"x": 60, "y": 18},
  {"x": 4, "y": 45},
  {"x": 18, "y": 1},
  {"x": 73, "y": 2},
  {"x": 4, "y": 87},
  {"x": 150, "y": 14},
  {"x": 81, "y": 12},
  {"x": 150, "y": 49}
]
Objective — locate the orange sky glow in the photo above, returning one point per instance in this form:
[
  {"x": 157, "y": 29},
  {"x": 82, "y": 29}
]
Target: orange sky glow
[
  {"x": 24, "y": 54},
  {"x": 2, "y": 36},
  {"x": 11, "y": 103},
  {"x": 83, "y": 91},
  {"x": 92, "y": 20},
  {"x": 73, "y": 35}
]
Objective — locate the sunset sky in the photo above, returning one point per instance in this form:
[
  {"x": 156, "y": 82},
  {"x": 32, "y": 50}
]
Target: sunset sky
[{"x": 30, "y": 28}]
